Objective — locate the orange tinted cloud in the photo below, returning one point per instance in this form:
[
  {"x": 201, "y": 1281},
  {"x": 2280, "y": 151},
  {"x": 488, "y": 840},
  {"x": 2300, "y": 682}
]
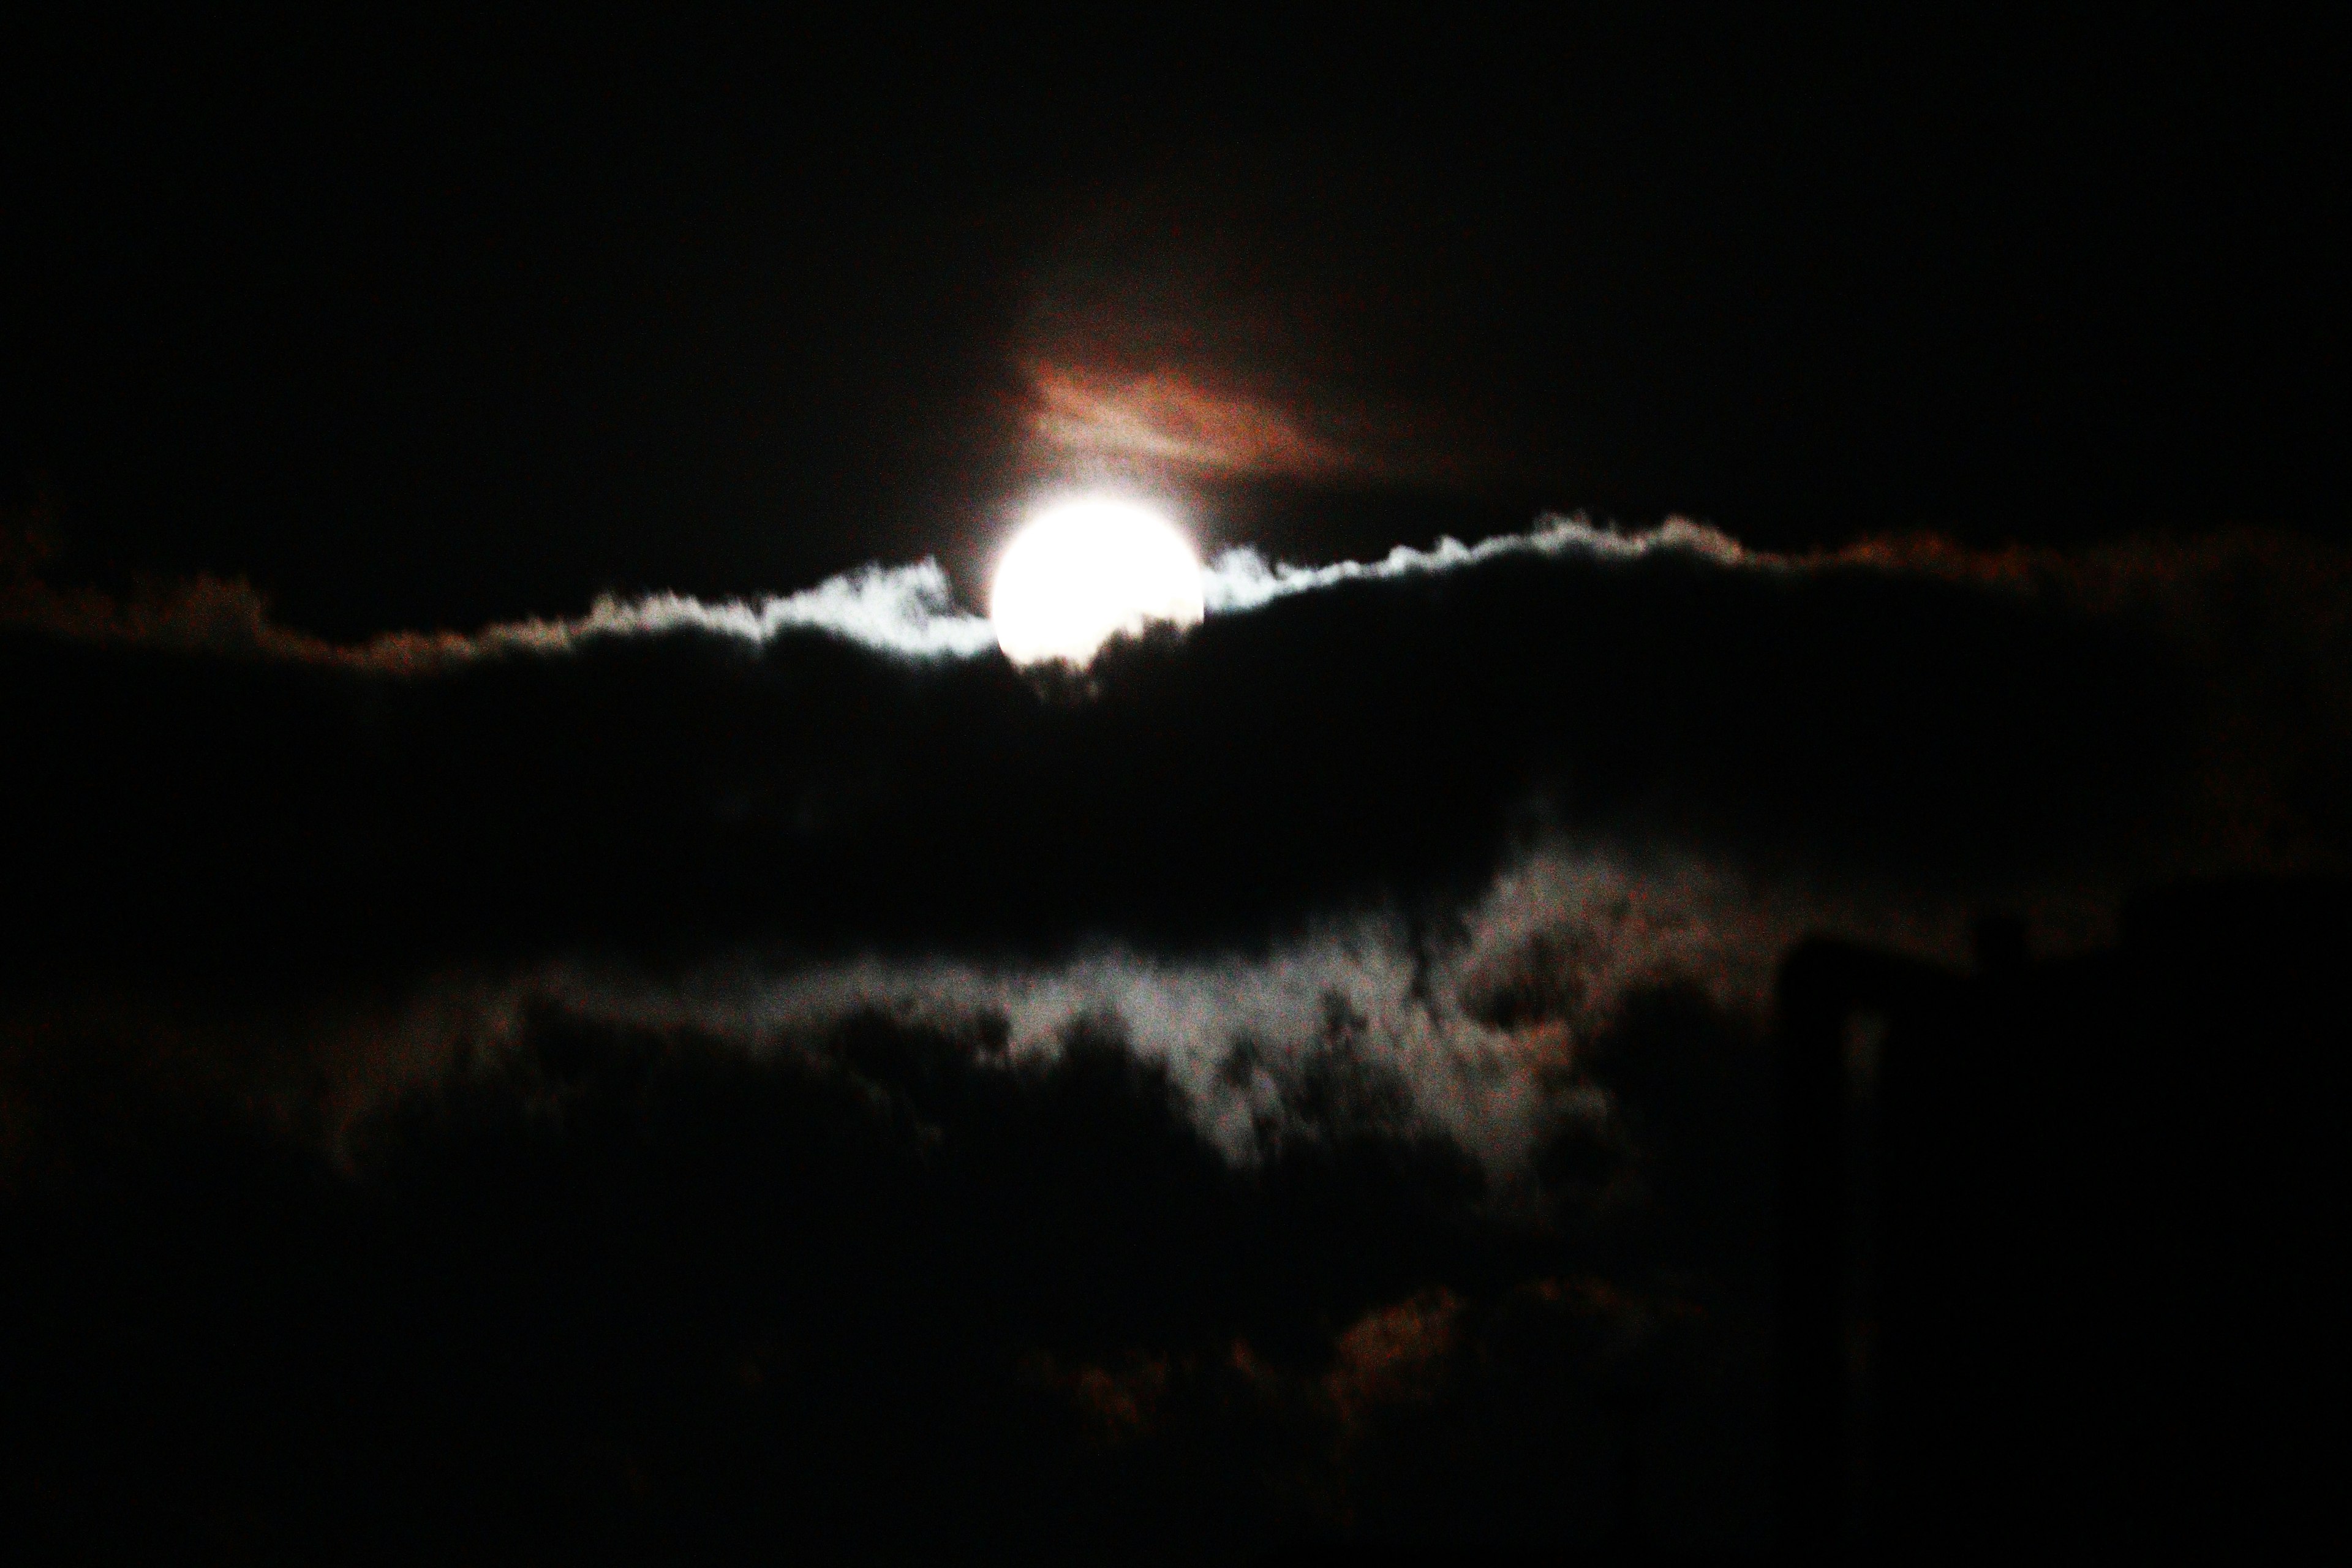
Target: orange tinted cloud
[{"x": 1166, "y": 417}]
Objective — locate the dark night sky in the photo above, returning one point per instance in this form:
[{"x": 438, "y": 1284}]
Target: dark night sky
[
  {"x": 656, "y": 1084},
  {"x": 428, "y": 326}
]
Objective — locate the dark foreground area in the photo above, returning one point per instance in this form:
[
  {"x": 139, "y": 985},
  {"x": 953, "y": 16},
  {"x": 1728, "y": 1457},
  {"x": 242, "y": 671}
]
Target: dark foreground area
[
  {"x": 2059, "y": 1241},
  {"x": 627, "y": 1295},
  {"x": 1940, "y": 1263}
]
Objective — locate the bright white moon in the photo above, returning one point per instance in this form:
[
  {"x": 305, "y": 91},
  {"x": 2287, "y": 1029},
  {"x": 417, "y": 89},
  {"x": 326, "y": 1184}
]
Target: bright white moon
[{"x": 1084, "y": 571}]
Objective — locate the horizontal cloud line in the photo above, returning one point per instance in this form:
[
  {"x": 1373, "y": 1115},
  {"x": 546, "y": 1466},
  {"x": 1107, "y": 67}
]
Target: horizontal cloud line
[
  {"x": 1243, "y": 580},
  {"x": 909, "y": 611}
]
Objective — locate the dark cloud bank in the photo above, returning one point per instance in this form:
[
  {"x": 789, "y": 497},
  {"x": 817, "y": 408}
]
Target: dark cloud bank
[
  {"x": 660, "y": 793},
  {"x": 633, "y": 1292},
  {"x": 406, "y": 1142}
]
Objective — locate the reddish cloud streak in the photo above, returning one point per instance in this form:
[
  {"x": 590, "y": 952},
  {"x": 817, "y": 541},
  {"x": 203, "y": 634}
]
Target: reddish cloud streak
[{"x": 1166, "y": 417}]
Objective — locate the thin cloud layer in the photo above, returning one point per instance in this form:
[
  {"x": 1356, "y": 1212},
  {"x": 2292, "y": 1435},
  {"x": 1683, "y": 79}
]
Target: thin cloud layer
[
  {"x": 1165, "y": 418},
  {"x": 905, "y": 610},
  {"x": 1243, "y": 579}
]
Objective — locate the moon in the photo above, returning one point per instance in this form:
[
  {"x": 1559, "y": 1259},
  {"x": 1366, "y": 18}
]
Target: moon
[{"x": 1084, "y": 571}]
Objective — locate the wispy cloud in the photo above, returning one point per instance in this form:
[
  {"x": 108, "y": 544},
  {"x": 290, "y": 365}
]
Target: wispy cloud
[{"x": 1163, "y": 417}]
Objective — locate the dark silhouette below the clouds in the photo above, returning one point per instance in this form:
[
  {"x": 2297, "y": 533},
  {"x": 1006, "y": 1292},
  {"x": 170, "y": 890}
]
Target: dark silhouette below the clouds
[{"x": 2056, "y": 1258}]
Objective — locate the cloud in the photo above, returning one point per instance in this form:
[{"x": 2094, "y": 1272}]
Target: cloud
[
  {"x": 851, "y": 770},
  {"x": 908, "y": 611},
  {"x": 890, "y": 1285},
  {"x": 1160, "y": 418},
  {"x": 1461, "y": 1031},
  {"x": 1436, "y": 815},
  {"x": 1301, "y": 1076},
  {"x": 1243, "y": 580},
  {"x": 905, "y": 610}
]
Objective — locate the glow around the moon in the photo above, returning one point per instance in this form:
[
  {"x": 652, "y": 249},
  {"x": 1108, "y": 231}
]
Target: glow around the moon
[{"x": 1084, "y": 571}]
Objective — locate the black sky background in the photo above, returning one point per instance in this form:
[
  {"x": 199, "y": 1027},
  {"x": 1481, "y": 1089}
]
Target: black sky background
[{"x": 424, "y": 325}]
